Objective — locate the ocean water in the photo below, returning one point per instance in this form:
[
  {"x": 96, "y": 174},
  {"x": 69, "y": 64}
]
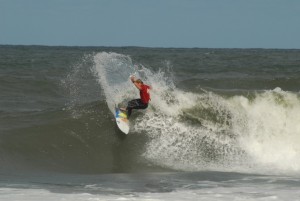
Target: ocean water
[{"x": 222, "y": 124}]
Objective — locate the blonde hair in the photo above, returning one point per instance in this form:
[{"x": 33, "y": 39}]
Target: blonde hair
[{"x": 139, "y": 81}]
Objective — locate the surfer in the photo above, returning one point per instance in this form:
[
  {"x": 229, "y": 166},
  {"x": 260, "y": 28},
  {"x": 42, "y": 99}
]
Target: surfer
[{"x": 142, "y": 102}]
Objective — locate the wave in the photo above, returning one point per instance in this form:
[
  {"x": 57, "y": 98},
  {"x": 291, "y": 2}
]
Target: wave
[
  {"x": 77, "y": 139},
  {"x": 206, "y": 131},
  {"x": 187, "y": 130},
  {"x": 234, "y": 134}
]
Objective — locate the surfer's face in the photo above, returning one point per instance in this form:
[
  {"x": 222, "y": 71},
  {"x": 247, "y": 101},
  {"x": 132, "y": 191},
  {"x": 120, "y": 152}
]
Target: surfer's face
[{"x": 139, "y": 84}]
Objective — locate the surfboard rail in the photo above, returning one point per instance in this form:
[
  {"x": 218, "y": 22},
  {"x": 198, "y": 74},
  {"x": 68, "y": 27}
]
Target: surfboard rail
[{"x": 122, "y": 120}]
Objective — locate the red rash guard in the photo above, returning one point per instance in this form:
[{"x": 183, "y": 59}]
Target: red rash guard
[{"x": 144, "y": 93}]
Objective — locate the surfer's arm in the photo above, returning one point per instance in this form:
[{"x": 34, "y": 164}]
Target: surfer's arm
[{"x": 135, "y": 83}]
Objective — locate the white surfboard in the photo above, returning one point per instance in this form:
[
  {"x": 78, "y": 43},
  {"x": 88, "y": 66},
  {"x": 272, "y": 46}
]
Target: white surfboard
[{"x": 122, "y": 120}]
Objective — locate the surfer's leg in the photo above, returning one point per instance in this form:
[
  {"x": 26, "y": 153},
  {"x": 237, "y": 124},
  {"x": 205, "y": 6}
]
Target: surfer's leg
[
  {"x": 129, "y": 110},
  {"x": 132, "y": 105},
  {"x": 135, "y": 104},
  {"x": 141, "y": 105}
]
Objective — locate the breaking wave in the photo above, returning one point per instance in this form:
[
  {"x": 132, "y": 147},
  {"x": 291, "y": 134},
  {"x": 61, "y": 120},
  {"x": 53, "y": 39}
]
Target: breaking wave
[{"x": 206, "y": 131}]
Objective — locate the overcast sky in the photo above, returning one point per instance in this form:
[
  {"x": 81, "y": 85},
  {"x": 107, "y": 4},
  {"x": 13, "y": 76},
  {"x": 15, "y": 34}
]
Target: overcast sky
[{"x": 152, "y": 23}]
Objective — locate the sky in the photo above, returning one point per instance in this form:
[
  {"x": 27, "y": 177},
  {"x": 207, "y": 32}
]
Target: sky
[{"x": 152, "y": 23}]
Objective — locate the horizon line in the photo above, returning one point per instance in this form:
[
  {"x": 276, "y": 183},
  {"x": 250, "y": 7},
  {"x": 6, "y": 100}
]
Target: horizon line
[{"x": 145, "y": 47}]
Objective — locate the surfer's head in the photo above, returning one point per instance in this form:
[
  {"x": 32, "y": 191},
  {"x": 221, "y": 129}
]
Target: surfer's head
[{"x": 139, "y": 81}]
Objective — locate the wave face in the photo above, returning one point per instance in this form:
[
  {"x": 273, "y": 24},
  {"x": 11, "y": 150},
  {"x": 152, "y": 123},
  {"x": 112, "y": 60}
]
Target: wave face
[
  {"x": 210, "y": 109},
  {"x": 206, "y": 131}
]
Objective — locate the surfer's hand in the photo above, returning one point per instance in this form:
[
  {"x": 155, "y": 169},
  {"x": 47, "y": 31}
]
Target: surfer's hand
[{"x": 132, "y": 78}]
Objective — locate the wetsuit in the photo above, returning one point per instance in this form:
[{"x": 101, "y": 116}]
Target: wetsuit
[{"x": 141, "y": 103}]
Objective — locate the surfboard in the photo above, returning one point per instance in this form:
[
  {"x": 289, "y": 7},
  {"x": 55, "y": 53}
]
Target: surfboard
[{"x": 122, "y": 120}]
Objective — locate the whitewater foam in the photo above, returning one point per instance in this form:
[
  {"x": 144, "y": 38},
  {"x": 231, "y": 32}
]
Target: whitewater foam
[
  {"x": 245, "y": 188},
  {"x": 272, "y": 130}
]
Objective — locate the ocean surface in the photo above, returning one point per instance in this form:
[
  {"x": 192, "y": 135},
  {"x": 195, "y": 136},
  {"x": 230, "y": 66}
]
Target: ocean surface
[{"x": 222, "y": 124}]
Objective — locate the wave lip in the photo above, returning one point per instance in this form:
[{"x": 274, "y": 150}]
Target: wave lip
[{"x": 113, "y": 71}]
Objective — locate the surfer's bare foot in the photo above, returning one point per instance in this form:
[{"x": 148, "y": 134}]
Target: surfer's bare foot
[{"x": 123, "y": 109}]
